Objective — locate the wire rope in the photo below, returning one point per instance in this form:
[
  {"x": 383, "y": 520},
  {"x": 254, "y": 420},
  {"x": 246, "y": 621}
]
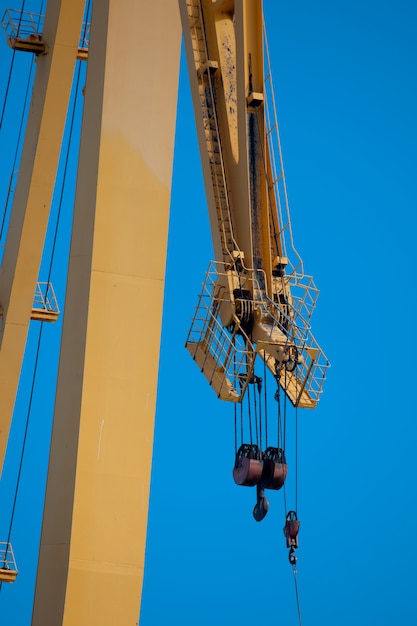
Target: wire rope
[
  {"x": 297, "y": 595},
  {"x": 7, "y": 89},
  {"x": 35, "y": 369},
  {"x": 22, "y": 119},
  {"x": 24, "y": 439},
  {"x": 259, "y": 384},
  {"x": 266, "y": 407},
  {"x": 250, "y": 416},
  {"x": 11, "y": 65},
  {"x": 256, "y": 419},
  {"x": 235, "y": 424},
  {"x": 71, "y": 128},
  {"x": 241, "y": 423},
  {"x": 296, "y": 449}
]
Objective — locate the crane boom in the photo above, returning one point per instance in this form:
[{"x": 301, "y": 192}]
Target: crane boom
[{"x": 253, "y": 307}]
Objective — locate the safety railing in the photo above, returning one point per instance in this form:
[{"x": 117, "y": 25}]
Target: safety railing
[
  {"x": 226, "y": 355},
  {"x": 45, "y": 305},
  {"x": 24, "y": 31},
  {"x": 226, "y": 358},
  {"x": 8, "y": 569}
]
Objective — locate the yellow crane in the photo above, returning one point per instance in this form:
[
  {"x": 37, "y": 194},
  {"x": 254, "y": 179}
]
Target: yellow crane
[{"x": 256, "y": 302}]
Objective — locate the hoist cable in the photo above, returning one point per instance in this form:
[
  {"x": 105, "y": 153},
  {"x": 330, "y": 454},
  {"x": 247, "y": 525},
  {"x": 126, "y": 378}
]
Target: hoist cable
[
  {"x": 255, "y": 410},
  {"x": 266, "y": 408},
  {"x": 21, "y": 122},
  {"x": 296, "y": 445},
  {"x": 279, "y": 420},
  {"x": 235, "y": 421},
  {"x": 7, "y": 89},
  {"x": 71, "y": 128},
  {"x": 41, "y": 328},
  {"x": 297, "y": 597},
  {"x": 259, "y": 383},
  {"x": 285, "y": 412},
  {"x": 281, "y": 444},
  {"x": 11, "y": 66},
  {"x": 250, "y": 417},
  {"x": 241, "y": 423},
  {"x": 24, "y": 437}
]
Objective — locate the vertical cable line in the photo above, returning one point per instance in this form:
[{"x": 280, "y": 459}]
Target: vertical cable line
[
  {"x": 9, "y": 190},
  {"x": 297, "y": 597},
  {"x": 266, "y": 409},
  {"x": 296, "y": 447},
  {"x": 77, "y": 83},
  {"x": 7, "y": 89},
  {"x": 11, "y": 66},
  {"x": 24, "y": 441},
  {"x": 41, "y": 328}
]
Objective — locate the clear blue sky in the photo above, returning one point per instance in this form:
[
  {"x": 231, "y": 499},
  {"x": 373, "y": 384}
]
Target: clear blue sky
[{"x": 345, "y": 78}]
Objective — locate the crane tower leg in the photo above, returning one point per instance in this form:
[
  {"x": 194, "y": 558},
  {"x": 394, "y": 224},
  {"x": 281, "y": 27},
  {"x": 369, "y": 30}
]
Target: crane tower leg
[
  {"x": 92, "y": 549},
  {"x": 34, "y": 189}
]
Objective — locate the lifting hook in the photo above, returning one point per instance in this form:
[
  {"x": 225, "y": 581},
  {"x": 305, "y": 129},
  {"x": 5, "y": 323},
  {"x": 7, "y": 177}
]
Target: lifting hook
[
  {"x": 262, "y": 504},
  {"x": 291, "y": 557}
]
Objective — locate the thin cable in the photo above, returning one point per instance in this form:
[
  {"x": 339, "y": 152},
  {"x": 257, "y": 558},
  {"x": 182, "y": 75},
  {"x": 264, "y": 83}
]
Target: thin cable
[
  {"x": 65, "y": 171},
  {"x": 11, "y": 66},
  {"x": 250, "y": 418},
  {"x": 281, "y": 445},
  {"x": 24, "y": 437},
  {"x": 260, "y": 411},
  {"x": 7, "y": 90},
  {"x": 266, "y": 408},
  {"x": 255, "y": 409},
  {"x": 41, "y": 328},
  {"x": 296, "y": 458},
  {"x": 285, "y": 411},
  {"x": 235, "y": 420},
  {"x": 297, "y": 595},
  {"x": 296, "y": 444},
  {"x": 241, "y": 423},
  {"x": 16, "y": 152}
]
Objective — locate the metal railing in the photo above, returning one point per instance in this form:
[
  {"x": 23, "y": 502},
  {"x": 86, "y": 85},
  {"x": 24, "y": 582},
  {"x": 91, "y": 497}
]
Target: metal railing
[
  {"x": 228, "y": 353},
  {"x": 45, "y": 299},
  {"x": 7, "y": 559},
  {"x": 24, "y": 24}
]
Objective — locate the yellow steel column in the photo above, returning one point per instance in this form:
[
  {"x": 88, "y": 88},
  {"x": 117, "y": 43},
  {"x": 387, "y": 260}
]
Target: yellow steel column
[
  {"x": 34, "y": 189},
  {"x": 94, "y": 529}
]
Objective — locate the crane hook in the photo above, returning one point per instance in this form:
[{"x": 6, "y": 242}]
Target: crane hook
[
  {"x": 291, "y": 557},
  {"x": 262, "y": 505}
]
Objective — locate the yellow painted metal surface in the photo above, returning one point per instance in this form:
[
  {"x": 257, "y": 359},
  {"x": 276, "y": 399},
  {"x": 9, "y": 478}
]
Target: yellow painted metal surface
[
  {"x": 30, "y": 211},
  {"x": 229, "y": 34},
  {"x": 94, "y": 530}
]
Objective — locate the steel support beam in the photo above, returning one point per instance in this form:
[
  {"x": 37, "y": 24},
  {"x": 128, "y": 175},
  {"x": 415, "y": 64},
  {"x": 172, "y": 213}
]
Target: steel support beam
[
  {"x": 92, "y": 549},
  {"x": 33, "y": 196}
]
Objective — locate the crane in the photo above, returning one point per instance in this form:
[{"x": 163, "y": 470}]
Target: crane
[{"x": 256, "y": 301}]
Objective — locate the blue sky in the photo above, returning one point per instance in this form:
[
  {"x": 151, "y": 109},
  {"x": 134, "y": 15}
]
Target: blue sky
[{"x": 345, "y": 77}]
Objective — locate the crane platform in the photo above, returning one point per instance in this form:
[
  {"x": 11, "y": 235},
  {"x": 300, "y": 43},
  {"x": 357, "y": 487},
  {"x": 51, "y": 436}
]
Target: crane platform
[
  {"x": 45, "y": 306},
  {"x": 8, "y": 569}
]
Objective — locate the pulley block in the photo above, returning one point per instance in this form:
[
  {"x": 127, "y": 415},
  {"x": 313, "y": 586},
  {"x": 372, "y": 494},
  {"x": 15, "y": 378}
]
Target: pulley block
[
  {"x": 291, "y": 529},
  {"x": 275, "y": 468},
  {"x": 247, "y": 471}
]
